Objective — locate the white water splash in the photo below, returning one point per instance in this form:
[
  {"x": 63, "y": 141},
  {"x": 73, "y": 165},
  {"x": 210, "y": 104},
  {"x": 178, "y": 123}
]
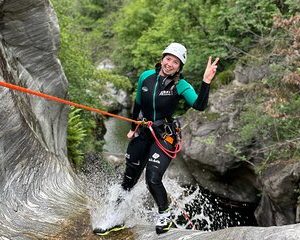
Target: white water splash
[
  {"x": 137, "y": 205},
  {"x": 106, "y": 212},
  {"x": 190, "y": 209},
  {"x": 180, "y": 199}
]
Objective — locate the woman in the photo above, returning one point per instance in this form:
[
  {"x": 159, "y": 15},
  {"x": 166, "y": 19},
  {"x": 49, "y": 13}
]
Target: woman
[{"x": 158, "y": 93}]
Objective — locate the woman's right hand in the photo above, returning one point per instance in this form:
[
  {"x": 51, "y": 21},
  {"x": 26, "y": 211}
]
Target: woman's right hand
[
  {"x": 130, "y": 134},
  {"x": 210, "y": 70}
]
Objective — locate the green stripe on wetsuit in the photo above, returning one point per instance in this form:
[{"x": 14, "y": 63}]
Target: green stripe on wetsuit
[
  {"x": 154, "y": 95},
  {"x": 183, "y": 88}
]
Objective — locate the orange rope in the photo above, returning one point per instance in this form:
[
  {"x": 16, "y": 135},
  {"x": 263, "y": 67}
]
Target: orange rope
[{"x": 60, "y": 100}]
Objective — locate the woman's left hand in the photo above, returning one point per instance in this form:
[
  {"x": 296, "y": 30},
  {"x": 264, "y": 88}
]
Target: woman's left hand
[
  {"x": 130, "y": 134},
  {"x": 210, "y": 70}
]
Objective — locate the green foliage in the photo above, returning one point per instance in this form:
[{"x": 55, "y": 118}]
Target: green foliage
[
  {"x": 96, "y": 19},
  {"x": 132, "y": 22},
  {"x": 254, "y": 121},
  {"x": 271, "y": 116},
  {"x": 249, "y": 18},
  {"x": 120, "y": 82},
  {"x": 223, "y": 78},
  {"x": 78, "y": 21},
  {"x": 77, "y": 63},
  {"x": 76, "y": 135},
  {"x": 292, "y": 6},
  {"x": 76, "y": 50},
  {"x": 91, "y": 10},
  {"x": 209, "y": 140},
  {"x": 233, "y": 150},
  {"x": 74, "y": 53},
  {"x": 218, "y": 28},
  {"x": 275, "y": 124}
]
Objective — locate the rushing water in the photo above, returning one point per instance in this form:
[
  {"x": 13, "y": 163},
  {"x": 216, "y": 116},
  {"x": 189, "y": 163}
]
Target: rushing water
[{"x": 193, "y": 208}]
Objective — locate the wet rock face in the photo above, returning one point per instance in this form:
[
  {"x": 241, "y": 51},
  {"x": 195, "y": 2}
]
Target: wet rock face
[
  {"x": 280, "y": 185},
  {"x": 38, "y": 185},
  {"x": 206, "y": 137},
  {"x": 291, "y": 232},
  {"x": 80, "y": 229},
  {"x": 205, "y": 151},
  {"x": 30, "y": 36},
  {"x": 113, "y": 99}
]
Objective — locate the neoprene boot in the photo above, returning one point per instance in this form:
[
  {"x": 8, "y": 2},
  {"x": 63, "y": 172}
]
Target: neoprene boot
[{"x": 164, "y": 222}]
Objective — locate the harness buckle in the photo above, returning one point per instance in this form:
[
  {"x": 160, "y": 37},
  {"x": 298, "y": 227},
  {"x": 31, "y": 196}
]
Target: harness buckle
[
  {"x": 168, "y": 130},
  {"x": 144, "y": 121}
]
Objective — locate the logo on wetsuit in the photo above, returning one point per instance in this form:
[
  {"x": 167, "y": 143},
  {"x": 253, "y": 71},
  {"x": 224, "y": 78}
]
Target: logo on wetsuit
[
  {"x": 166, "y": 93},
  {"x": 154, "y": 158},
  {"x": 145, "y": 89}
]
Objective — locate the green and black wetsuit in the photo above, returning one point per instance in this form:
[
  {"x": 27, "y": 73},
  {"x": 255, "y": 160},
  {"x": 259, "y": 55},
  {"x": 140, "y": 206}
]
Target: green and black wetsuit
[{"x": 157, "y": 99}]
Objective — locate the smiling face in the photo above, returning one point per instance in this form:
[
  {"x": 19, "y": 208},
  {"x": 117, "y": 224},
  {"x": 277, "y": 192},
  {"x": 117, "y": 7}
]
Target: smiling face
[{"x": 169, "y": 65}]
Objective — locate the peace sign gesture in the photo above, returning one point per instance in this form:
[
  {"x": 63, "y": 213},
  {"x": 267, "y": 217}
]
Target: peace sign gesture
[{"x": 210, "y": 70}]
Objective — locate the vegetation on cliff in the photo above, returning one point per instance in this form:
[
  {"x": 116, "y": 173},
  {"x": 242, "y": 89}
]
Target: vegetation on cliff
[
  {"x": 77, "y": 47},
  {"x": 271, "y": 116}
]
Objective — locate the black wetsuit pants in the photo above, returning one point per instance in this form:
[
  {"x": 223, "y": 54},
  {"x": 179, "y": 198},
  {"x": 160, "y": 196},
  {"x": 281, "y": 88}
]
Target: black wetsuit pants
[{"x": 143, "y": 152}]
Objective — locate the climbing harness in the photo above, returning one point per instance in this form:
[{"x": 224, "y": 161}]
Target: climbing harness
[
  {"x": 168, "y": 131},
  {"x": 168, "y": 138}
]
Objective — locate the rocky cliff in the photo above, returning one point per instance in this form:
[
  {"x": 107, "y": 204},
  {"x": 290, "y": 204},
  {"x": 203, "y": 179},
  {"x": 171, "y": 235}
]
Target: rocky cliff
[
  {"x": 38, "y": 185},
  {"x": 207, "y": 139}
]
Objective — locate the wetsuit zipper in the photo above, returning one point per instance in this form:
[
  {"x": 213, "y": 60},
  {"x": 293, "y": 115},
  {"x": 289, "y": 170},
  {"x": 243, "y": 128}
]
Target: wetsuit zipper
[{"x": 154, "y": 95}]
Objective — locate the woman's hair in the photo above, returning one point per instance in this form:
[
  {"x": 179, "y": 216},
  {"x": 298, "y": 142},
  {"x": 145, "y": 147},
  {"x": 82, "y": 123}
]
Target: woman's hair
[{"x": 176, "y": 77}]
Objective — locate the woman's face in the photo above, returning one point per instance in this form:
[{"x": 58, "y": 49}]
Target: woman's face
[{"x": 169, "y": 65}]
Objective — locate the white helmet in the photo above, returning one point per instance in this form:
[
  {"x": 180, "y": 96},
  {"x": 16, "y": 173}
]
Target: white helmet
[{"x": 177, "y": 50}]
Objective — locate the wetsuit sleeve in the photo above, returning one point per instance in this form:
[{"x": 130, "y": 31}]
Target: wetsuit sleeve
[
  {"x": 199, "y": 101},
  {"x": 138, "y": 99},
  {"x": 202, "y": 99},
  {"x": 137, "y": 102},
  {"x": 135, "y": 114}
]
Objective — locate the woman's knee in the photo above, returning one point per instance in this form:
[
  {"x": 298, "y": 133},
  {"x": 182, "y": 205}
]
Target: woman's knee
[
  {"x": 153, "y": 178},
  {"x": 131, "y": 176}
]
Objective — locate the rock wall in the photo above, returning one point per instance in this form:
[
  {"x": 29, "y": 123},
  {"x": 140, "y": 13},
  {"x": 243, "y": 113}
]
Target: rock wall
[
  {"x": 38, "y": 186},
  {"x": 290, "y": 232},
  {"x": 207, "y": 138},
  {"x": 142, "y": 232}
]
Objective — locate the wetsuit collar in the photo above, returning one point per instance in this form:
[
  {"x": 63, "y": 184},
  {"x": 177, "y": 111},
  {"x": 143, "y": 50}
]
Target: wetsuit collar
[{"x": 166, "y": 80}]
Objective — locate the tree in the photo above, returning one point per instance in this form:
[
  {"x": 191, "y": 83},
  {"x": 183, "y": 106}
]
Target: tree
[{"x": 225, "y": 29}]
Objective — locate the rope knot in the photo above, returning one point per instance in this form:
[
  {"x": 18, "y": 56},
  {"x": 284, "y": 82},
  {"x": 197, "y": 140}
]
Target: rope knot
[{"x": 149, "y": 124}]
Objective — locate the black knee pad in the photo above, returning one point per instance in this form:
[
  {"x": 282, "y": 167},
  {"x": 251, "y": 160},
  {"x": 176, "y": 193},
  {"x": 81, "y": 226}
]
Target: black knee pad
[
  {"x": 130, "y": 176},
  {"x": 127, "y": 183},
  {"x": 153, "y": 178}
]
